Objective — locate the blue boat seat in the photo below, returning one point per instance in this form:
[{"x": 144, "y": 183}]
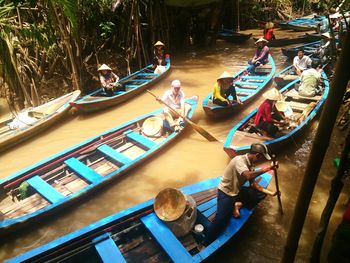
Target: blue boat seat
[
  {"x": 136, "y": 137},
  {"x": 207, "y": 205},
  {"x": 115, "y": 155},
  {"x": 131, "y": 86},
  {"x": 166, "y": 239},
  {"x": 148, "y": 74},
  {"x": 252, "y": 77},
  {"x": 83, "y": 170},
  {"x": 138, "y": 80},
  {"x": 108, "y": 250},
  {"x": 247, "y": 85},
  {"x": 244, "y": 90},
  {"x": 45, "y": 189}
]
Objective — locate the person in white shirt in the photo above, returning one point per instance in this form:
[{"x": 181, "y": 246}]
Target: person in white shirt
[
  {"x": 310, "y": 80},
  {"x": 175, "y": 98},
  {"x": 301, "y": 62}
]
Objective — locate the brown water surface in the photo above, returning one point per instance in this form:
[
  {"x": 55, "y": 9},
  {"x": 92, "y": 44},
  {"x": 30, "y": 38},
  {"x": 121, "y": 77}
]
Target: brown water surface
[{"x": 189, "y": 160}]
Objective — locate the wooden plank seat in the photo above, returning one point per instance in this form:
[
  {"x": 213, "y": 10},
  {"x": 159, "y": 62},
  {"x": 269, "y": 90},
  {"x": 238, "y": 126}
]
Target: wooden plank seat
[
  {"x": 107, "y": 249},
  {"x": 207, "y": 213},
  {"x": 297, "y": 105},
  {"x": 241, "y": 138},
  {"x": 45, "y": 189},
  {"x": 295, "y": 95},
  {"x": 83, "y": 170},
  {"x": 138, "y": 138},
  {"x": 37, "y": 114},
  {"x": 113, "y": 154},
  {"x": 263, "y": 69},
  {"x": 258, "y": 79},
  {"x": 166, "y": 239}
]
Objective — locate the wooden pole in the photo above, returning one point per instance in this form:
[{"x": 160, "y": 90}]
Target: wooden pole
[
  {"x": 277, "y": 185},
  {"x": 238, "y": 28},
  {"x": 336, "y": 188},
  {"x": 319, "y": 148}
]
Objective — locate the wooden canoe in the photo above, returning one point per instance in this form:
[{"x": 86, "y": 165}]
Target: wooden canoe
[
  {"x": 233, "y": 36},
  {"x": 247, "y": 87},
  {"x": 304, "y": 109},
  {"x": 135, "y": 83},
  {"x": 30, "y": 122},
  {"x": 306, "y": 38},
  {"x": 284, "y": 77},
  {"x": 69, "y": 175},
  {"x": 138, "y": 235},
  {"x": 309, "y": 49}
]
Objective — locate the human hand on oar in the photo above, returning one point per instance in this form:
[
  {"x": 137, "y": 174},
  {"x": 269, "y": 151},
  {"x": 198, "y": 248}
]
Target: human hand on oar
[{"x": 195, "y": 126}]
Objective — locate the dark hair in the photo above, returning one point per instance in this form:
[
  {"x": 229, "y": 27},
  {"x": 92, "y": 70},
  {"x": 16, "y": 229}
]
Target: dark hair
[
  {"x": 315, "y": 64},
  {"x": 301, "y": 50}
]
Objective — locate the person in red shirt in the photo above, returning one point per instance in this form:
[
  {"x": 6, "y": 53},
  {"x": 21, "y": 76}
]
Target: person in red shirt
[
  {"x": 267, "y": 116},
  {"x": 268, "y": 31}
]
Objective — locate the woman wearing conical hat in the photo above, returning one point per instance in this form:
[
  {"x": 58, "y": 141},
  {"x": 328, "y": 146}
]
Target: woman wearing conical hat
[
  {"x": 109, "y": 80},
  {"x": 159, "y": 61},
  {"x": 261, "y": 56},
  {"x": 224, "y": 88},
  {"x": 268, "y": 116}
]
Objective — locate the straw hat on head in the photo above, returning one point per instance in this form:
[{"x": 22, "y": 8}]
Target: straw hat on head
[
  {"x": 104, "y": 67},
  {"x": 326, "y": 35},
  {"x": 169, "y": 204},
  {"x": 225, "y": 75},
  {"x": 158, "y": 44},
  {"x": 261, "y": 40},
  {"x": 273, "y": 94}
]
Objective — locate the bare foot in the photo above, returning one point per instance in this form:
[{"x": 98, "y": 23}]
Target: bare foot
[{"x": 238, "y": 206}]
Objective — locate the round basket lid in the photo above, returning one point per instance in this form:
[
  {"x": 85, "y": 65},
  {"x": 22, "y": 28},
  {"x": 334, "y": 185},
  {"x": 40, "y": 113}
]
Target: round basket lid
[
  {"x": 152, "y": 126},
  {"x": 169, "y": 204}
]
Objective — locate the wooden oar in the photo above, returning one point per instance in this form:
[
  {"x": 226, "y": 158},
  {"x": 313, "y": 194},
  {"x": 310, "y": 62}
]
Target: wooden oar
[
  {"x": 196, "y": 127},
  {"x": 277, "y": 185}
]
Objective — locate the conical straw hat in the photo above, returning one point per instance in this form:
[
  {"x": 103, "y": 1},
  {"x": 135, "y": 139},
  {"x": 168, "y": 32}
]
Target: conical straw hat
[
  {"x": 158, "y": 44},
  {"x": 261, "y": 40},
  {"x": 327, "y": 35},
  {"x": 225, "y": 75},
  {"x": 152, "y": 126},
  {"x": 282, "y": 106},
  {"x": 169, "y": 204},
  {"x": 104, "y": 67},
  {"x": 273, "y": 94}
]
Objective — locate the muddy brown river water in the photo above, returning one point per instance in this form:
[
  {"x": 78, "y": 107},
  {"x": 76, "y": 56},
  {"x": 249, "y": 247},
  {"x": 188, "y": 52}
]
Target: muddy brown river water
[{"x": 190, "y": 159}]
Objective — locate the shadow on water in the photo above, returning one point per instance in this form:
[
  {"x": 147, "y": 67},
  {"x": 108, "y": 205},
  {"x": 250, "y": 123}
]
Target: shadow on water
[{"x": 188, "y": 160}]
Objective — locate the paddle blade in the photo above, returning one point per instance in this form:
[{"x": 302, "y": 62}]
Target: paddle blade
[{"x": 202, "y": 132}]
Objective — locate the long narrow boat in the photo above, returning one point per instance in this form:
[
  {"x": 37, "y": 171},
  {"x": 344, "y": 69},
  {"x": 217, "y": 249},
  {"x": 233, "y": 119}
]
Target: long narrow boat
[
  {"x": 30, "y": 122},
  {"x": 134, "y": 84},
  {"x": 138, "y": 235},
  {"x": 247, "y": 87},
  {"x": 243, "y": 134},
  {"x": 304, "y": 19},
  {"x": 309, "y": 49},
  {"x": 233, "y": 36},
  {"x": 284, "y": 77},
  {"x": 305, "y": 24},
  {"x": 306, "y": 38},
  {"x": 60, "y": 180}
]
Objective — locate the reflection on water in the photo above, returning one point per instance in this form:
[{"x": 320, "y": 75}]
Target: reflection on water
[{"x": 188, "y": 160}]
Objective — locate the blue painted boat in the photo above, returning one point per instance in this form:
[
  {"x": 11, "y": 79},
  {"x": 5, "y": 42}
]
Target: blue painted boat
[
  {"x": 138, "y": 235},
  {"x": 243, "y": 134},
  {"x": 284, "y": 77},
  {"x": 233, "y": 36},
  {"x": 309, "y": 49},
  {"x": 247, "y": 87},
  {"x": 135, "y": 83},
  {"x": 60, "y": 180},
  {"x": 306, "y": 24}
]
